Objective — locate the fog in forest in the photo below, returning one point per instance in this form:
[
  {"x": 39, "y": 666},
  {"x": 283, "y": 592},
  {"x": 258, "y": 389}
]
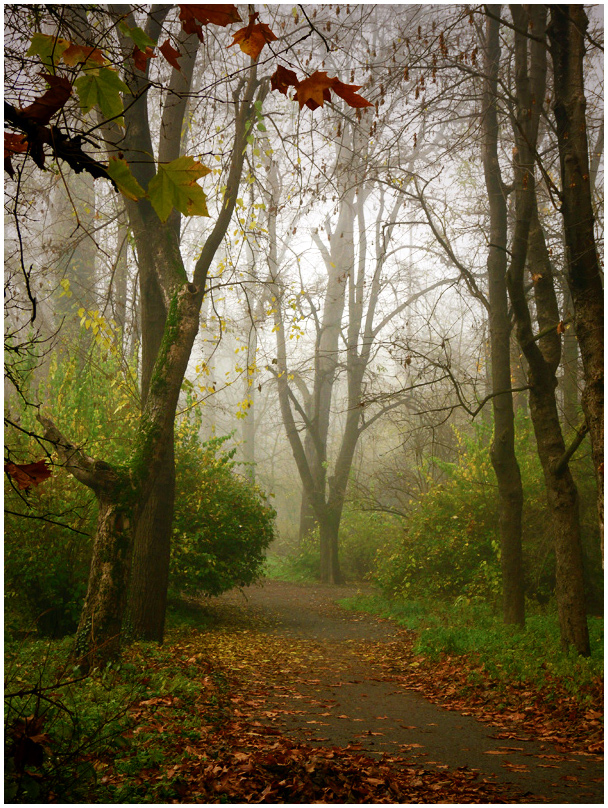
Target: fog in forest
[{"x": 306, "y": 293}]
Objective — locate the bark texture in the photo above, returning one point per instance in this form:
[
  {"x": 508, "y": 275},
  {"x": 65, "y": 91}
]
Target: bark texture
[
  {"x": 543, "y": 354},
  {"x": 504, "y": 461},
  {"x": 567, "y": 44}
]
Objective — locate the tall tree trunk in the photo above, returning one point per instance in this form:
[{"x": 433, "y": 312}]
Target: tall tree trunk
[
  {"x": 504, "y": 462},
  {"x": 570, "y": 407},
  {"x": 567, "y": 44},
  {"x": 150, "y": 574},
  {"x": 543, "y": 355},
  {"x": 149, "y": 580},
  {"x": 124, "y": 491}
]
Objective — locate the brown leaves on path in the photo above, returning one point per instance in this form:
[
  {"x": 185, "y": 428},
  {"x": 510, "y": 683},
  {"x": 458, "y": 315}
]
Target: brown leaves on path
[
  {"x": 550, "y": 714},
  {"x": 240, "y": 758}
]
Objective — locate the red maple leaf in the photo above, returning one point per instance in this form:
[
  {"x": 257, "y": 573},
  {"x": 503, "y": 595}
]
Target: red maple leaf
[
  {"x": 283, "y": 78},
  {"x": 314, "y": 91},
  {"x": 140, "y": 58},
  {"x": 252, "y": 38},
  {"x": 28, "y": 474},
  {"x": 348, "y": 93},
  {"x": 170, "y": 54},
  {"x": 194, "y": 16},
  {"x": 42, "y": 109},
  {"x": 13, "y": 144}
]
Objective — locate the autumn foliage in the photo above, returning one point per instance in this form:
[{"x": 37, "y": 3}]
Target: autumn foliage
[
  {"x": 26, "y": 475},
  {"x": 100, "y": 86}
]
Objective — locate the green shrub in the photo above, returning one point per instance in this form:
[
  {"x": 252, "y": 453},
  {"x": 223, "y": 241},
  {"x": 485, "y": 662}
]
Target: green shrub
[
  {"x": 223, "y": 523},
  {"x": 222, "y": 526},
  {"x": 48, "y": 529},
  {"x": 365, "y": 537},
  {"x": 451, "y": 545},
  {"x": 54, "y": 721},
  {"x": 472, "y": 629}
]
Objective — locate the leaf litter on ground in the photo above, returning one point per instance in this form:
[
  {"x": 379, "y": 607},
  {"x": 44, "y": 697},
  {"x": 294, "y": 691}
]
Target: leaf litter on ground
[{"x": 213, "y": 738}]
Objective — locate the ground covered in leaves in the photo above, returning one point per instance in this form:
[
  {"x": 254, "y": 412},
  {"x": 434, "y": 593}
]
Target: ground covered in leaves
[
  {"x": 281, "y": 696},
  {"x": 285, "y": 698}
]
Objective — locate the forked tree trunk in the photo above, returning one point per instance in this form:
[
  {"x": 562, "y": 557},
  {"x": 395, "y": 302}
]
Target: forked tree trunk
[
  {"x": 543, "y": 354},
  {"x": 502, "y": 453},
  {"x": 124, "y": 492}
]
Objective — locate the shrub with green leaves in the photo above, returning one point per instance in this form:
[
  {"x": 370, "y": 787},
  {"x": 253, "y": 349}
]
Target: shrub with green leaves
[
  {"x": 223, "y": 523},
  {"x": 364, "y": 538},
  {"x": 451, "y": 545},
  {"x": 48, "y": 528}
]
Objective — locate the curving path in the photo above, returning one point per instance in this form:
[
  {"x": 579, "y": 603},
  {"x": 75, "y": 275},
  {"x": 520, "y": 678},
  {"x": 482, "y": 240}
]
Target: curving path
[{"x": 342, "y": 700}]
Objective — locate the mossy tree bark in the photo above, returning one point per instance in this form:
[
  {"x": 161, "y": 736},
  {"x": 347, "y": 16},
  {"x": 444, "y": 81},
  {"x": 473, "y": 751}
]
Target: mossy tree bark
[
  {"x": 171, "y": 320},
  {"x": 159, "y": 257}
]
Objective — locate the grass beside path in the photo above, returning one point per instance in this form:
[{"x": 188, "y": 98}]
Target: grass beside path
[{"x": 465, "y": 658}]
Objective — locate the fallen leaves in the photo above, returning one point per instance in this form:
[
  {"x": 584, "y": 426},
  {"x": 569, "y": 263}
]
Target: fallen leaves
[
  {"x": 239, "y": 758},
  {"x": 521, "y": 711},
  {"x": 244, "y": 684}
]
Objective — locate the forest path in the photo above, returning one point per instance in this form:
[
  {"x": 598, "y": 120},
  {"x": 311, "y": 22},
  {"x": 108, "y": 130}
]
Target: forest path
[{"x": 325, "y": 692}]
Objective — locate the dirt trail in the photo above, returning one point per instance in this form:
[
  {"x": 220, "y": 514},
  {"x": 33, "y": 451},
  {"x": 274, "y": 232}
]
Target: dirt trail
[{"x": 344, "y": 701}]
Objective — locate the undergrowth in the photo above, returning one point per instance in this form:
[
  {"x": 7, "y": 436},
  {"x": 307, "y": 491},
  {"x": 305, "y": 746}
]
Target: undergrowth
[
  {"x": 64, "y": 732},
  {"x": 509, "y": 655}
]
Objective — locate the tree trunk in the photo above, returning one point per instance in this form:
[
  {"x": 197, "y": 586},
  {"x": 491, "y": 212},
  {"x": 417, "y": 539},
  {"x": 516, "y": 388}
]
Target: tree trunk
[
  {"x": 149, "y": 580},
  {"x": 99, "y": 630},
  {"x": 307, "y": 517},
  {"x": 151, "y": 554},
  {"x": 567, "y": 44},
  {"x": 504, "y": 462},
  {"x": 570, "y": 407},
  {"x": 543, "y": 355},
  {"x": 329, "y": 527}
]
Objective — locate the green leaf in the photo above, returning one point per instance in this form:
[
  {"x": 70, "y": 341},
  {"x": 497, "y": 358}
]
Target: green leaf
[
  {"x": 119, "y": 171},
  {"x": 48, "y": 48},
  {"x": 101, "y": 88},
  {"x": 139, "y": 37},
  {"x": 175, "y": 186}
]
